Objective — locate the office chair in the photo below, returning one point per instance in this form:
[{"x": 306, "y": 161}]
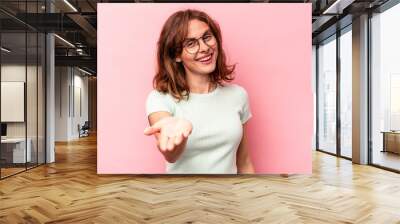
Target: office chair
[{"x": 84, "y": 130}]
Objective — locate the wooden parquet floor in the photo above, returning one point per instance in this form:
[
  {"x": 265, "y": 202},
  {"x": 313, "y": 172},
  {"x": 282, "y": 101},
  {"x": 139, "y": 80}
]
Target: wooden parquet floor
[{"x": 70, "y": 191}]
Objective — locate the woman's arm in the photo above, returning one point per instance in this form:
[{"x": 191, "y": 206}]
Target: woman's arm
[{"x": 243, "y": 160}]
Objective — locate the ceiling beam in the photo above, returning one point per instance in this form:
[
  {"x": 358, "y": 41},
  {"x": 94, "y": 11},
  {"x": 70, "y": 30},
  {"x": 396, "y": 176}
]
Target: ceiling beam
[{"x": 337, "y": 7}]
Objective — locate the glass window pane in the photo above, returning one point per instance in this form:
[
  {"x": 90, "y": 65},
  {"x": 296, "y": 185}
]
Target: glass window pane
[
  {"x": 32, "y": 95},
  {"x": 386, "y": 88},
  {"x": 346, "y": 94},
  {"x": 22, "y": 89},
  {"x": 14, "y": 150},
  {"x": 327, "y": 96}
]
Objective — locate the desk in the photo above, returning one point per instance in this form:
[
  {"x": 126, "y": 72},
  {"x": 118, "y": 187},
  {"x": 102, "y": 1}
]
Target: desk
[
  {"x": 391, "y": 141},
  {"x": 15, "y": 148}
]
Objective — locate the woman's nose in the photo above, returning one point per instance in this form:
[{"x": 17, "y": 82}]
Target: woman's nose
[{"x": 203, "y": 46}]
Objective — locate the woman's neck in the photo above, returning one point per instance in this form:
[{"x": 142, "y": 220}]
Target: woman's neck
[{"x": 199, "y": 83}]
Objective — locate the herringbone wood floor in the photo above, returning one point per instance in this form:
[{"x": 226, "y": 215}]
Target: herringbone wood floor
[{"x": 70, "y": 191}]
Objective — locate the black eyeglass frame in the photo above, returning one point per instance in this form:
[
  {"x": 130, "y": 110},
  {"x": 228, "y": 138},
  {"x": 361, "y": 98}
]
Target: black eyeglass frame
[{"x": 207, "y": 33}]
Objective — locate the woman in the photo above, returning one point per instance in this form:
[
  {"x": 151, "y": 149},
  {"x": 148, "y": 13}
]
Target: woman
[{"x": 198, "y": 120}]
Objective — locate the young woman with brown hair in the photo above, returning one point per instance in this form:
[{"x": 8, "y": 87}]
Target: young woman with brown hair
[{"x": 198, "y": 119}]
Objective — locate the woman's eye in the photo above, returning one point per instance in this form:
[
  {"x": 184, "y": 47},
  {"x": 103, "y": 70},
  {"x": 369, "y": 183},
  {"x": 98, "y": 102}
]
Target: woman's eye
[
  {"x": 207, "y": 37},
  {"x": 190, "y": 44}
]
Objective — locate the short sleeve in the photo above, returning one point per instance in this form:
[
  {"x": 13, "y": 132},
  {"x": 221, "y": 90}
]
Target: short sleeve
[
  {"x": 245, "y": 113},
  {"x": 157, "y": 101}
]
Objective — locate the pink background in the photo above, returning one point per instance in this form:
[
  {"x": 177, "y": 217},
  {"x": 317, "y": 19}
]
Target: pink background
[{"x": 271, "y": 44}]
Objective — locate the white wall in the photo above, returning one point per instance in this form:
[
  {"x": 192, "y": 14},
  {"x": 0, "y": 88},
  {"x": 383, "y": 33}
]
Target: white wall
[
  {"x": 15, "y": 72},
  {"x": 71, "y": 94},
  {"x": 9, "y": 73},
  {"x": 79, "y": 117},
  {"x": 62, "y": 81}
]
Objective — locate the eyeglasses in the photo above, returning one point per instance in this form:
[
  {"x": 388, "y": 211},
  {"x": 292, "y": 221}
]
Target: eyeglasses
[{"x": 192, "y": 45}]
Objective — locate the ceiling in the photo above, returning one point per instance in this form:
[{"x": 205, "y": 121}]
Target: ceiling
[{"x": 76, "y": 22}]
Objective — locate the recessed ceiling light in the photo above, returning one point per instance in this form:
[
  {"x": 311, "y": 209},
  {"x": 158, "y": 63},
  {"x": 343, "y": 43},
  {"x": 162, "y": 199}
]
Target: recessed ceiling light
[
  {"x": 70, "y": 5},
  {"x": 64, "y": 40},
  {"x": 337, "y": 7},
  {"x": 84, "y": 71}
]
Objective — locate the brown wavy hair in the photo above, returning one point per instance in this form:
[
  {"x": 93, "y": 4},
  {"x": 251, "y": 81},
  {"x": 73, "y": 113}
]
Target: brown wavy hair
[{"x": 170, "y": 77}]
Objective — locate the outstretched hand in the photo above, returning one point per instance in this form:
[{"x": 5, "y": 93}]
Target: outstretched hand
[{"x": 171, "y": 132}]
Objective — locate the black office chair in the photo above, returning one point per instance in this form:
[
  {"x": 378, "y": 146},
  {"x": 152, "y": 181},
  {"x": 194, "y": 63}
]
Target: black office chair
[{"x": 84, "y": 130}]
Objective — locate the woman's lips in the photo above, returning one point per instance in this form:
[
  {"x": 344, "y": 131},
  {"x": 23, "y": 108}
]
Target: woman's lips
[{"x": 206, "y": 60}]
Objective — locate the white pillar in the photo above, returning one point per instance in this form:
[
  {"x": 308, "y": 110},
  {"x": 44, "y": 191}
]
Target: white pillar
[
  {"x": 360, "y": 90},
  {"x": 50, "y": 99},
  {"x": 50, "y": 93}
]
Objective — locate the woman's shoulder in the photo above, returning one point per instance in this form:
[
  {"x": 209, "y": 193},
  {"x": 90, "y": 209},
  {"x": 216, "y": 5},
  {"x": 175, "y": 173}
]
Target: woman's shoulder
[
  {"x": 235, "y": 88},
  {"x": 155, "y": 94}
]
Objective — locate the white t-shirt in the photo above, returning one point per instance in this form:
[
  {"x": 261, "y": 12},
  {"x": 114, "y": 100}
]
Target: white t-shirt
[{"x": 217, "y": 119}]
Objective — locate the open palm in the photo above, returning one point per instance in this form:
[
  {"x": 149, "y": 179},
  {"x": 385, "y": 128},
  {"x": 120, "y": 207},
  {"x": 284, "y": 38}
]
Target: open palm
[{"x": 172, "y": 132}]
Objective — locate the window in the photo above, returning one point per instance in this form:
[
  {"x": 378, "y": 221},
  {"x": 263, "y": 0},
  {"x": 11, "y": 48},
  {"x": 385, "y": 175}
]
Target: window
[
  {"x": 385, "y": 88},
  {"x": 22, "y": 66},
  {"x": 327, "y": 95},
  {"x": 346, "y": 92}
]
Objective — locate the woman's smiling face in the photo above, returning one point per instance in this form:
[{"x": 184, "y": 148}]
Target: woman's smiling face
[{"x": 200, "y": 49}]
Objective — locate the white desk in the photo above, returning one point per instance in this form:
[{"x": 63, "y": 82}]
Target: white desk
[{"x": 19, "y": 149}]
